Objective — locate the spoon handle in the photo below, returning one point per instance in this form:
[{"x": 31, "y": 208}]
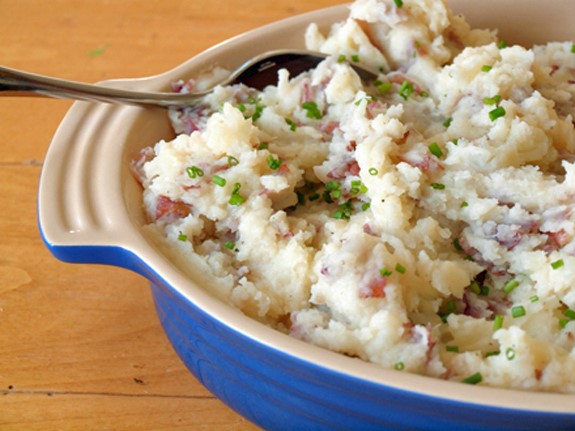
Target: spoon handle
[{"x": 19, "y": 83}]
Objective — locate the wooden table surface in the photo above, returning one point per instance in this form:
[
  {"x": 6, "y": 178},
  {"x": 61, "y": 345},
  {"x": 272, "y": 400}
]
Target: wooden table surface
[{"x": 81, "y": 347}]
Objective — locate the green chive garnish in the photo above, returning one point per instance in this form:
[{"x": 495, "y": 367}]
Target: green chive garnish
[
  {"x": 492, "y": 100},
  {"x": 236, "y": 198},
  {"x": 557, "y": 264},
  {"x": 400, "y": 268},
  {"x": 454, "y": 349},
  {"x": 373, "y": 171},
  {"x": 273, "y": 163},
  {"x": 475, "y": 287},
  {"x": 437, "y": 186},
  {"x": 230, "y": 245},
  {"x": 497, "y": 113},
  {"x": 355, "y": 58},
  {"x": 435, "y": 150},
  {"x": 292, "y": 125},
  {"x": 497, "y": 322},
  {"x": 406, "y": 89},
  {"x": 232, "y": 161},
  {"x": 510, "y": 353},
  {"x": 486, "y": 68},
  {"x": 457, "y": 245},
  {"x": 399, "y": 366},
  {"x": 312, "y": 110},
  {"x": 518, "y": 311},
  {"x": 502, "y": 44},
  {"x": 385, "y": 272},
  {"x": 473, "y": 379},
  {"x": 398, "y": 3},
  {"x": 219, "y": 181},
  {"x": 182, "y": 237},
  {"x": 194, "y": 172},
  {"x": 510, "y": 286},
  {"x": 383, "y": 87}
]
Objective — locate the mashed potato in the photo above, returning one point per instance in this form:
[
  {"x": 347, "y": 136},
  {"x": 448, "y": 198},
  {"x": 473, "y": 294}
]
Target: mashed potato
[{"x": 424, "y": 222}]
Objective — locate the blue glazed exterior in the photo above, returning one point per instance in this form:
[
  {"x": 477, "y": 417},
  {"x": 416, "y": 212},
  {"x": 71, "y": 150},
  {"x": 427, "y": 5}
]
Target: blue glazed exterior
[{"x": 281, "y": 392}]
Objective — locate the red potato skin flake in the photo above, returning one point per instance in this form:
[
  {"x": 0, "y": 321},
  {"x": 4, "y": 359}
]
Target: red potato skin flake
[
  {"x": 165, "y": 207},
  {"x": 374, "y": 289},
  {"x": 350, "y": 168}
]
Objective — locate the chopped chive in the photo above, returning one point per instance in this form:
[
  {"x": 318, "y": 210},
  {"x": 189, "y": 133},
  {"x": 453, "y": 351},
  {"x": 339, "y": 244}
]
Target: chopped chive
[
  {"x": 570, "y": 314},
  {"x": 510, "y": 353},
  {"x": 451, "y": 306},
  {"x": 365, "y": 206},
  {"x": 534, "y": 298},
  {"x": 557, "y": 264},
  {"x": 437, "y": 186},
  {"x": 486, "y": 68},
  {"x": 473, "y": 379},
  {"x": 400, "y": 268},
  {"x": 232, "y": 161},
  {"x": 373, "y": 171},
  {"x": 292, "y": 125},
  {"x": 435, "y": 149},
  {"x": 313, "y": 110},
  {"x": 455, "y": 141},
  {"x": 493, "y": 353},
  {"x": 475, "y": 287},
  {"x": 518, "y": 311},
  {"x": 497, "y": 113},
  {"x": 230, "y": 245},
  {"x": 502, "y": 44},
  {"x": 492, "y": 100},
  {"x": 454, "y": 349},
  {"x": 399, "y": 366},
  {"x": 447, "y": 122},
  {"x": 398, "y": 3},
  {"x": 341, "y": 58},
  {"x": 357, "y": 187},
  {"x": 573, "y": 48},
  {"x": 484, "y": 291},
  {"x": 241, "y": 107},
  {"x": 383, "y": 87},
  {"x": 457, "y": 244},
  {"x": 273, "y": 163},
  {"x": 406, "y": 89},
  {"x": 355, "y": 58},
  {"x": 464, "y": 204},
  {"x": 236, "y": 198},
  {"x": 314, "y": 197},
  {"x": 97, "y": 52},
  {"x": 219, "y": 181},
  {"x": 194, "y": 172},
  {"x": 510, "y": 285},
  {"x": 182, "y": 237},
  {"x": 385, "y": 272},
  {"x": 497, "y": 322},
  {"x": 263, "y": 146}
]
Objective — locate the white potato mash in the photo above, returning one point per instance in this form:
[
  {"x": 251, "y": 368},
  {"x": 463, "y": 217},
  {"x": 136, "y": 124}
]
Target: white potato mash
[{"x": 424, "y": 222}]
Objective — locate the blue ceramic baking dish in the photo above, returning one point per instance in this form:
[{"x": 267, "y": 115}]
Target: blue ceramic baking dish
[{"x": 90, "y": 211}]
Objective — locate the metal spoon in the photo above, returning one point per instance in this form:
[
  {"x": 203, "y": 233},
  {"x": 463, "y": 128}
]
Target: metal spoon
[{"x": 257, "y": 72}]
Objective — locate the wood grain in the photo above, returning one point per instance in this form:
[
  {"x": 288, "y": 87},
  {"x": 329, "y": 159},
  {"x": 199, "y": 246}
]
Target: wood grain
[{"x": 80, "y": 346}]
